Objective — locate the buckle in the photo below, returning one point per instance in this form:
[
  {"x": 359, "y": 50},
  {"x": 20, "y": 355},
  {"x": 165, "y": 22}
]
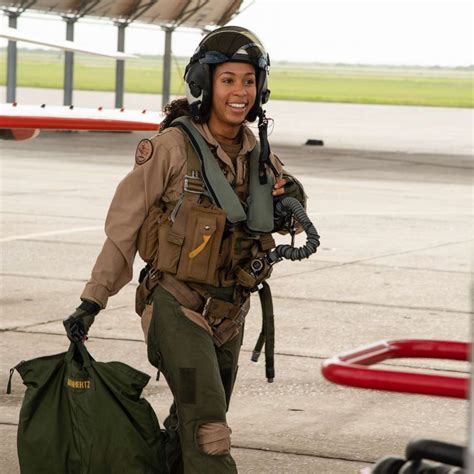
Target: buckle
[
  {"x": 207, "y": 305},
  {"x": 193, "y": 184}
]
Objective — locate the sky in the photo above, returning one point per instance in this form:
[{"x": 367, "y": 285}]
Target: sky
[{"x": 403, "y": 32}]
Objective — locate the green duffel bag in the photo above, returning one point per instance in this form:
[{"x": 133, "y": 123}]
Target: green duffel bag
[{"x": 81, "y": 416}]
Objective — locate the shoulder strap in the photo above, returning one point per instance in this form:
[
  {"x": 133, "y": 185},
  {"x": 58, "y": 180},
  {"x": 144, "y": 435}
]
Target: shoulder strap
[
  {"x": 216, "y": 183},
  {"x": 260, "y": 200}
]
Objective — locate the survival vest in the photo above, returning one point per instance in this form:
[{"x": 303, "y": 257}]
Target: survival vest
[
  {"x": 259, "y": 215},
  {"x": 207, "y": 237}
]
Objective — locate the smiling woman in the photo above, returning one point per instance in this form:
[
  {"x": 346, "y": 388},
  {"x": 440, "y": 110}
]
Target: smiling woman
[{"x": 199, "y": 208}]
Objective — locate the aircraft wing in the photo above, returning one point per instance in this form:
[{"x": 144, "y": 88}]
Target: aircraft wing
[
  {"x": 24, "y": 122},
  {"x": 14, "y": 35}
]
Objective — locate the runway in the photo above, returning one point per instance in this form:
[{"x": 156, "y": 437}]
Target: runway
[{"x": 396, "y": 231}]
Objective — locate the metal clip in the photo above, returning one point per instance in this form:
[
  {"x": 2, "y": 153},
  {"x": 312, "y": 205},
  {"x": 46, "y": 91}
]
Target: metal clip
[
  {"x": 193, "y": 181},
  {"x": 205, "y": 310},
  {"x": 173, "y": 214}
]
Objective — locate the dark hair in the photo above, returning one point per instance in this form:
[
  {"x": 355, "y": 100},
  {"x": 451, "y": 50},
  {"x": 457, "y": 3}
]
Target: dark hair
[{"x": 176, "y": 108}]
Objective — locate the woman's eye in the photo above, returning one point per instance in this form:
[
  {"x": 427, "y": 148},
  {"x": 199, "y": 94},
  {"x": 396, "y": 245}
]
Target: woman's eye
[{"x": 229, "y": 80}]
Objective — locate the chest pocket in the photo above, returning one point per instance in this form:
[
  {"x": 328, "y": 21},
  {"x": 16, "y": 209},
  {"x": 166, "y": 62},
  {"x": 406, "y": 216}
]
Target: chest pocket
[
  {"x": 202, "y": 242},
  {"x": 194, "y": 254}
]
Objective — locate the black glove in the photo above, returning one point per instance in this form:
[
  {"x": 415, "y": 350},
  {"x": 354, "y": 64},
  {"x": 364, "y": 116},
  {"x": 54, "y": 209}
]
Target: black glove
[{"x": 77, "y": 325}]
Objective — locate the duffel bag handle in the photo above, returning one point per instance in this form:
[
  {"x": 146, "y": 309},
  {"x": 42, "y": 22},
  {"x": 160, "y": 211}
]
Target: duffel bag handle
[{"x": 81, "y": 348}]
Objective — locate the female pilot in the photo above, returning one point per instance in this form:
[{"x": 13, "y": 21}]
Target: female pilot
[{"x": 198, "y": 208}]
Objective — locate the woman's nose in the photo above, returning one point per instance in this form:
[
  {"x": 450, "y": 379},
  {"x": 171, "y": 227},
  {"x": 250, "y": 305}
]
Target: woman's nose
[{"x": 240, "y": 89}]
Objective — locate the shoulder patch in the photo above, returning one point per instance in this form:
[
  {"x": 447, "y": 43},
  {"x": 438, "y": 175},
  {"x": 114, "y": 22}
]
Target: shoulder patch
[{"x": 144, "y": 151}]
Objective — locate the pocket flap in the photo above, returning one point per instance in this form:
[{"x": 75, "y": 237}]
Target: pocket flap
[{"x": 175, "y": 238}]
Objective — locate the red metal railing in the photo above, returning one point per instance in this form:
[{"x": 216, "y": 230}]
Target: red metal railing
[{"x": 351, "y": 368}]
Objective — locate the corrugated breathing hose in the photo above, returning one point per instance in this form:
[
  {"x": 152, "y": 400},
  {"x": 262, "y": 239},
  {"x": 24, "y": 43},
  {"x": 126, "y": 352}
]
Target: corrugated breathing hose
[{"x": 289, "y": 205}]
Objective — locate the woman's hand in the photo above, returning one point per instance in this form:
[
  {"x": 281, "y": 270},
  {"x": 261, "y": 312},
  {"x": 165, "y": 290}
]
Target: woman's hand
[
  {"x": 279, "y": 187},
  {"x": 290, "y": 187},
  {"x": 77, "y": 325}
]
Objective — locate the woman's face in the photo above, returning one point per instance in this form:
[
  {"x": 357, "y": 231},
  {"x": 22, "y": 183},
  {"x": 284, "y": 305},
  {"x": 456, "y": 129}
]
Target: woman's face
[{"x": 233, "y": 93}]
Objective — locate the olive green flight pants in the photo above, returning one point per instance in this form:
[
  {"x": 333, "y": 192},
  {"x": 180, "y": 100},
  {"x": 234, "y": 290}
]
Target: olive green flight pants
[{"x": 201, "y": 378}]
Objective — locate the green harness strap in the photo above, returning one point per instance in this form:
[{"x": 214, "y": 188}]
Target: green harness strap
[
  {"x": 260, "y": 201},
  {"x": 216, "y": 183}
]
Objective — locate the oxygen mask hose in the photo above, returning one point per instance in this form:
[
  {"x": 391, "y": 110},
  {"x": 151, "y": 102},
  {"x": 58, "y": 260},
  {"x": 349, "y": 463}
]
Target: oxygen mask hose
[{"x": 287, "y": 207}]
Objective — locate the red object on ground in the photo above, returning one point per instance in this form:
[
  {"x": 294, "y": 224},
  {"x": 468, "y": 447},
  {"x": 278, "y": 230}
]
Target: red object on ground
[{"x": 351, "y": 368}]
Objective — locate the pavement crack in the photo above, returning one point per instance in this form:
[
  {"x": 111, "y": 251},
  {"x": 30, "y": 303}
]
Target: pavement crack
[
  {"x": 43, "y": 323},
  {"x": 420, "y": 249},
  {"x": 380, "y": 157},
  {"x": 299, "y": 453},
  {"x": 42, "y": 241},
  {"x": 352, "y": 262},
  {"x": 406, "y": 366},
  {"x": 43, "y": 192},
  {"x": 377, "y": 305},
  {"x": 44, "y": 277},
  {"x": 19, "y": 328},
  {"x": 49, "y": 333},
  {"x": 14, "y": 238},
  {"x": 381, "y": 265},
  {"x": 58, "y": 216}
]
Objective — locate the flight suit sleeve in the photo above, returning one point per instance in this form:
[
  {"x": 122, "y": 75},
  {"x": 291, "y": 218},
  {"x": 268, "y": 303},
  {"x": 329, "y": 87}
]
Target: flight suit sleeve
[{"x": 133, "y": 197}]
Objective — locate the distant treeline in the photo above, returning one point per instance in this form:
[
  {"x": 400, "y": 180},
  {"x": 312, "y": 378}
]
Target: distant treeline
[
  {"x": 316, "y": 82},
  {"x": 184, "y": 59}
]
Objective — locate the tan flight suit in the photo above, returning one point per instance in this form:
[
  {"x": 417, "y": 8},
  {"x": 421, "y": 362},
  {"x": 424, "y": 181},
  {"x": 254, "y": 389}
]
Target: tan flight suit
[{"x": 200, "y": 375}]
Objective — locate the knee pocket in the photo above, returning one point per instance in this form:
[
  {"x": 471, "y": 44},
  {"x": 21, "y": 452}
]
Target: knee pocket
[{"x": 214, "y": 438}]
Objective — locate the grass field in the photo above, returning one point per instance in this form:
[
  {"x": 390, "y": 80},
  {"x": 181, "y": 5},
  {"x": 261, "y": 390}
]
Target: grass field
[{"x": 306, "y": 82}]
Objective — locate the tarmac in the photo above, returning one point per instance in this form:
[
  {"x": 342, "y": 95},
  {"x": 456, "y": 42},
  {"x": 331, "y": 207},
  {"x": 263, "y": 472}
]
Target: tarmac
[{"x": 395, "y": 218}]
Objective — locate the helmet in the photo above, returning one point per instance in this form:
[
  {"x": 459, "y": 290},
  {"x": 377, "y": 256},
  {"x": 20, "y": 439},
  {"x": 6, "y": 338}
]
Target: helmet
[{"x": 229, "y": 43}]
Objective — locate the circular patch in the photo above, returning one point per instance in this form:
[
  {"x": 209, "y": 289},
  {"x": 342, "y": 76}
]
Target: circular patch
[{"x": 144, "y": 151}]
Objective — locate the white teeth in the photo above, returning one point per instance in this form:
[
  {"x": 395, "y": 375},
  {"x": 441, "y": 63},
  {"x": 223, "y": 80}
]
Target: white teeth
[{"x": 237, "y": 106}]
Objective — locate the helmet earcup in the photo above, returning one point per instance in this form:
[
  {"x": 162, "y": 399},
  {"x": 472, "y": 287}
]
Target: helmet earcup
[
  {"x": 263, "y": 94},
  {"x": 266, "y": 95},
  {"x": 198, "y": 90}
]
